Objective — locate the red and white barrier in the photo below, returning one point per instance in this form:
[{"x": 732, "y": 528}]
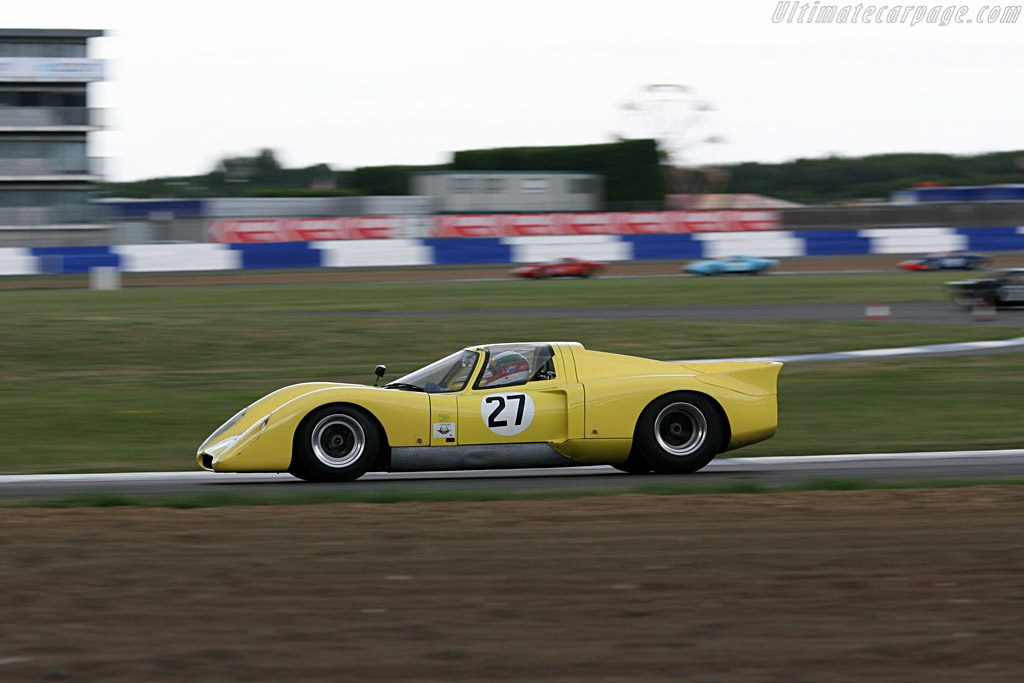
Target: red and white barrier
[
  {"x": 307, "y": 229},
  {"x": 489, "y": 225}
]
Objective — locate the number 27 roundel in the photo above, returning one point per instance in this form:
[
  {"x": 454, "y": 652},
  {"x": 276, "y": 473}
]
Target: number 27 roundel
[{"x": 507, "y": 414}]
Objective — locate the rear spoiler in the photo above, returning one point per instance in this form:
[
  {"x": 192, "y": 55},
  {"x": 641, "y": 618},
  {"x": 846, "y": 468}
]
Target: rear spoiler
[{"x": 754, "y": 378}]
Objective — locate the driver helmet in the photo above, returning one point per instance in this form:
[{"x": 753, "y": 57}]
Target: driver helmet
[{"x": 507, "y": 367}]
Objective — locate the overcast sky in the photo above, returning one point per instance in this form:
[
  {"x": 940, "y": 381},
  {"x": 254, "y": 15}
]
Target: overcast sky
[{"x": 408, "y": 82}]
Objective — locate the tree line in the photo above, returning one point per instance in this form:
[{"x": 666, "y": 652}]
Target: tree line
[{"x": 633, "y": 172}]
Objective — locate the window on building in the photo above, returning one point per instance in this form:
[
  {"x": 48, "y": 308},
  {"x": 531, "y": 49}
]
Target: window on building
[
  {"x": 60, "y": 156},
  {"x": 15, "y": 198},
  {"x": 72, "y": 50},
  {"x": 462, "y": 185},
  {"x": 28, "y": 98},
  {"x": 581, "y": 185},
  {"x": 26, "y": 48},
  {"x": 72, "y": 99},
  {"x": 534, "y": 185},
  {"x": 70, "y": 157}
]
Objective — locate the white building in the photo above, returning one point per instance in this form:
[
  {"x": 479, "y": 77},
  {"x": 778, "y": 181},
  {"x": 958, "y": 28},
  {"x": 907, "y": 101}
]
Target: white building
[
  {"x": 504, "y": 191},
  {"x": 47, "y": 176}
]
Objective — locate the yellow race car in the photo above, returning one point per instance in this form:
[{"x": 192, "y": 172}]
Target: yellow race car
[{"x": 530, "y": 404}]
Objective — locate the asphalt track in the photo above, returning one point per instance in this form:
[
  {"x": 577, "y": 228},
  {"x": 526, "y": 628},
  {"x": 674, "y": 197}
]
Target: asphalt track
[{"x": 767, "y": 471}]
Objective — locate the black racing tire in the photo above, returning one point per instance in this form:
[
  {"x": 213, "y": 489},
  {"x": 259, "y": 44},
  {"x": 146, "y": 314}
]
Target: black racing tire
[
  {"x": 335, "y": 443},
  {"x": 634, "y": 464},
  {"x": 679, "y": 433}
]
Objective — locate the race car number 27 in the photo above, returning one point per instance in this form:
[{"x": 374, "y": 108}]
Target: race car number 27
[{"x": 507, "y": 414}]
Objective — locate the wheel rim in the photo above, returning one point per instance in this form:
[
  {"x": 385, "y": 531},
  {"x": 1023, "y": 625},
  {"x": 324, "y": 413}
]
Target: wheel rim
[
  {"x": 338, "y": 440},
  {"x": 680, "y": 429}
]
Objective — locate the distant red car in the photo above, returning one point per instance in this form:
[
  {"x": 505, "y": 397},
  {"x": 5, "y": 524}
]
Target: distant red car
[{"x": 566, "y": 267}]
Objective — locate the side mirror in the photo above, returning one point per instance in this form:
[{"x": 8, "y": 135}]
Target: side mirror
[{"x": 379, "y": 371}]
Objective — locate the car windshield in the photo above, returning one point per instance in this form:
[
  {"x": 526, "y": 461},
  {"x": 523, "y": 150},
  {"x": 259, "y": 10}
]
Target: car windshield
[{"x": 448, "y": 374}]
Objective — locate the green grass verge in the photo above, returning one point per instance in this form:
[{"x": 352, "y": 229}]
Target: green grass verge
[
  {"x": 468, "y": 296},
  {"x": 135, "y": 379},
  {"x": 404, "y": 496}
]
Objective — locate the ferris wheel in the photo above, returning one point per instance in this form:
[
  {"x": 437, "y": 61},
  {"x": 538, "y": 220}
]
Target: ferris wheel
[
  {"x": 675, "y": 117},
  {"x": 680, "y": 122}
]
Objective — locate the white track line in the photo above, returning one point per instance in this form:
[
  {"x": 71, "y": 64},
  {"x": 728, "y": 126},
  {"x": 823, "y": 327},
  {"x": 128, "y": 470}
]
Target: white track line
[{"x": 718, "y": 463}]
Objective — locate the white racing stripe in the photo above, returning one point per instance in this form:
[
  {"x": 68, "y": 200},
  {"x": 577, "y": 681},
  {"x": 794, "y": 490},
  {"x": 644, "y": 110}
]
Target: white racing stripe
[
  {"x": 866, "y": 457},
  {"x": 930, "y": 350}
]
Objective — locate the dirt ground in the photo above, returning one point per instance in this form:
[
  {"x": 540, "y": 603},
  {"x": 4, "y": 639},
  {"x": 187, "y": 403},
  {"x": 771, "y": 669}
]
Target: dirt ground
[{"x": 914, "y": 585}]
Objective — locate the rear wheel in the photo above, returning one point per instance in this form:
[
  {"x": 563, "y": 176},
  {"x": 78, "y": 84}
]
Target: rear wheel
[
  {"x": 679, "y": 433},
  {"x": 334, "y": 443},
  {"x": 634, "y": 464}
]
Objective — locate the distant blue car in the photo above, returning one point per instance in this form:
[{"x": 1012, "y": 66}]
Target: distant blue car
[{"x": 751, "y": 265}]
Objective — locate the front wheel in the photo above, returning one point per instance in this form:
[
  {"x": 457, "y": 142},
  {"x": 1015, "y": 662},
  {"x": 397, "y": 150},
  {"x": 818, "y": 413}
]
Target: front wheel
[
  {"x": 334, "y": 443},
  {"x": 680, "y": 433}
]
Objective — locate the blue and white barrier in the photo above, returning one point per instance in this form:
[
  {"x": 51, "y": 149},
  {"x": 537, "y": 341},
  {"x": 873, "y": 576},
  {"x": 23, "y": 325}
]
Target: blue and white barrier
[
  {"x": 18, "y": 262},
  {"x": 914, "y": 240},
  {"x": 765, "y": 244},
  {"x": 547, "y": 248},
  {"x": 148, "y": 258},
  {"x": 834, "y": 242},
  {"x": 355, "y": 253},
  {"x": 157, "y": 258}
]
